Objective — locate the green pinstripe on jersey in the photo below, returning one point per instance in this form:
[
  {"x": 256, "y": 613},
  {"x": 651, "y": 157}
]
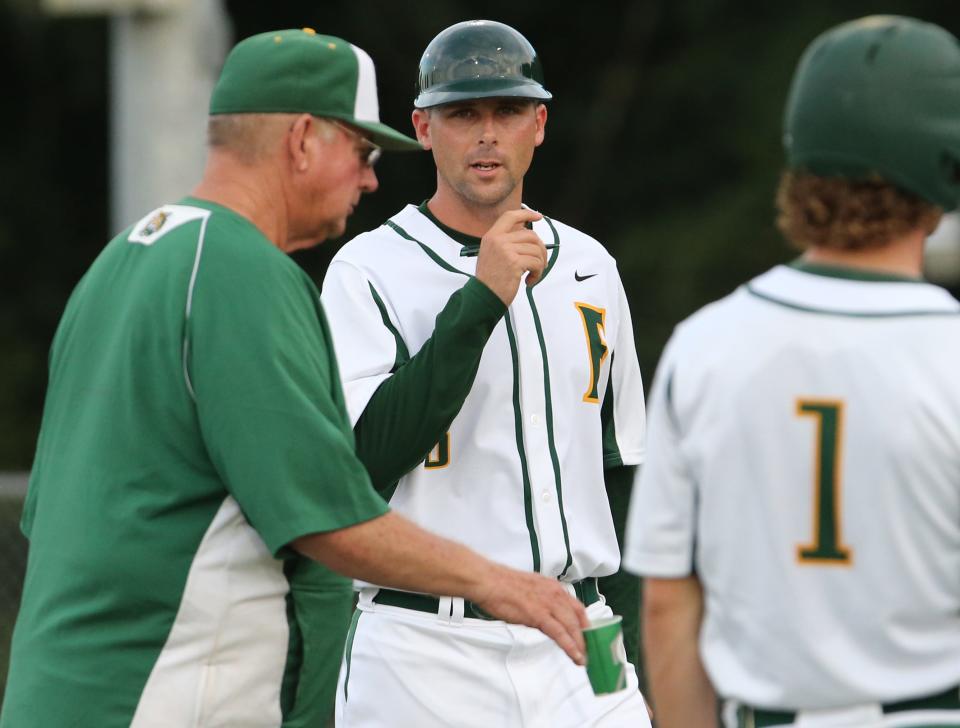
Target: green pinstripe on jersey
[
  {"x": 527, "y": 491},
  {"x": 549, "y": 404},
  {"x": 549, "y": 413},
  {"x": 348, "y": 653},
  {"x": 403, "y": 354},
  {"x": 556, "y": 249},
  {"x": 611, "y": 451},
  {"x": 518, "y": 424},
  {"x": 433, "y": 256}
]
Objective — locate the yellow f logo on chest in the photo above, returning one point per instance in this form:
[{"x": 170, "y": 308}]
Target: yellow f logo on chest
[{"x": 594, "y": 326}]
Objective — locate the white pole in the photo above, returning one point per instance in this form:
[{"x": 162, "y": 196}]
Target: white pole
[
  {"x": 942, "y": 254},
  {"x": 162, "y": 68}
]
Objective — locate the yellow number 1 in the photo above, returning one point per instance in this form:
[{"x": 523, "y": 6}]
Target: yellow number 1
[{"x": 827, "y": 546}]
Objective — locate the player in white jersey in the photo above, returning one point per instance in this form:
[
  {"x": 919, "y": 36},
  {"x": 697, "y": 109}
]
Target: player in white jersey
[
  {"x": 798, "y": 517},
  {"x": 487, "y": 404}
]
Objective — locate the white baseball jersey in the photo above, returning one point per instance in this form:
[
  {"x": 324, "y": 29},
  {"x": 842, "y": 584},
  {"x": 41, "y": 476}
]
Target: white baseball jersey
[
  {"x": 519, "y": 475},
  {"x": 804, "y": 462}
]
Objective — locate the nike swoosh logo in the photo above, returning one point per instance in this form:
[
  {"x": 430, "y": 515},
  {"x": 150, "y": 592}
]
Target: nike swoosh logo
[{"x": 582, "y": 278}]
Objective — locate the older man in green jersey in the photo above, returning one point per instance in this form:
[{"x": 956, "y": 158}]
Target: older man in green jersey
[{"x": 195, "y": 446}]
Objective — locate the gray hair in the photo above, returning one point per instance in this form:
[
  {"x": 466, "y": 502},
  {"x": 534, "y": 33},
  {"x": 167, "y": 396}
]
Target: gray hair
[{"x": 251, "y": 137}]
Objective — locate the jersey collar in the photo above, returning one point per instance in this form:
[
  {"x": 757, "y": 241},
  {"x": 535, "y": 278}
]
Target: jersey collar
[
  {"x": 470, "y": 243},
  {"x": 824, "y": 291},
  {"x": 851, "y": 274},
  {"x": 451, "y": 250}
]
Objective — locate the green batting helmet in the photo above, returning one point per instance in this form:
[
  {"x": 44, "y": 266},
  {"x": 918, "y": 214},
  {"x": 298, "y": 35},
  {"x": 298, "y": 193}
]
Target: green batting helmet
[
  {"x": 478, "y": 59},
  {"x": 880, "y": 96}
]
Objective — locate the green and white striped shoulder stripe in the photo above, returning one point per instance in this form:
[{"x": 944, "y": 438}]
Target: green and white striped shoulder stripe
[{"x": 154, "y": 226}]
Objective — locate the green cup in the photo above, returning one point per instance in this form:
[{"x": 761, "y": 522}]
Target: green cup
[{"x": 606, "y": 656}]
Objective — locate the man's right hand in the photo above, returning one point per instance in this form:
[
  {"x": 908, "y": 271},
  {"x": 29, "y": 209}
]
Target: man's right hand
[
  {"x": 535, "y": 601},
  {"x": 507, "y": 251},
  {"x": 392, "y": 551}
]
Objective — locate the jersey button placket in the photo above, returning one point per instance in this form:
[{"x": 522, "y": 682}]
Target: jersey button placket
[{"x": 533, "y": 405}]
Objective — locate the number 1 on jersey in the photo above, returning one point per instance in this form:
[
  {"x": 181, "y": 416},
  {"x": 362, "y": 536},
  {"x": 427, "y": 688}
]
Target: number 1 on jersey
[{"x": 827, "y": 547}]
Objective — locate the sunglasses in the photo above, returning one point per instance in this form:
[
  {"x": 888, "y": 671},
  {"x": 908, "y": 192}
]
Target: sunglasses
[{"x": 368, "y": 152}]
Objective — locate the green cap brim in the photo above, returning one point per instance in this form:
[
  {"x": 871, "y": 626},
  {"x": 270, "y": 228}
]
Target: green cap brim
[{"x": 386, "y": 137}]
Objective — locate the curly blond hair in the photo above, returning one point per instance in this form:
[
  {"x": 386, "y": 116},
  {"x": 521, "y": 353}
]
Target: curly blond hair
[{"x": 845, "y": 214}]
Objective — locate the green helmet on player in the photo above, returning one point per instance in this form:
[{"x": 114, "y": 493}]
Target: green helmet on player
[
  {"x": 880, "y": 96},
  {"x": 478, "y": 59}
]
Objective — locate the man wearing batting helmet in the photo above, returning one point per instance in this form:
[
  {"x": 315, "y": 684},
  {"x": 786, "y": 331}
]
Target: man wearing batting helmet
[
  {"x": 798, "y": 518},
  {"x": 489, "y": 367}
]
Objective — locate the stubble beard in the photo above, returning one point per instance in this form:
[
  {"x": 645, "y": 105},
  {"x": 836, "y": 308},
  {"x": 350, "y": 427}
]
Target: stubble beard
[{"x": 485, "y": 195}]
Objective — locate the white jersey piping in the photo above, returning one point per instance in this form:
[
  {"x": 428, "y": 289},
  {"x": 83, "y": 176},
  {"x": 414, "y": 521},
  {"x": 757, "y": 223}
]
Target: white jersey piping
[{"x": 193, "y": 280}]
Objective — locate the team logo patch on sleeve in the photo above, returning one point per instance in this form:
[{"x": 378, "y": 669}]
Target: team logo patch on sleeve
[
  {"x": 153, "y": 226},
  {"x": 154, "y": 223}
]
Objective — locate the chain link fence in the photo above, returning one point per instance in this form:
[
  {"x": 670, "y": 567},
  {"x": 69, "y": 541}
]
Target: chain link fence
[{"x": 13, "y": 560}]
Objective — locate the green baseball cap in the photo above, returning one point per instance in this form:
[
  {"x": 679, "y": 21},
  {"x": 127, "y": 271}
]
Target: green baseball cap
[{"x": 300, "y": 71}]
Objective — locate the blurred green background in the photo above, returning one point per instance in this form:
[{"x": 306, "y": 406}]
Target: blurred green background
[{"x": 663, "y": 141}]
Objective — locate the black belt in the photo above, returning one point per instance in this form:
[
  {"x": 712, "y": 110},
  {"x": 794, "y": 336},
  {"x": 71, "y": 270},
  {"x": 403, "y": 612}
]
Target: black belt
[
  {"x": 586, "y": 591},
  {"x": 949, "y": 699}
]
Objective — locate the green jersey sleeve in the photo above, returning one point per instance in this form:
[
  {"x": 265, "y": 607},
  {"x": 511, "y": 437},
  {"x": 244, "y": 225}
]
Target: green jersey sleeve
[
  {"x": 260, "y": 364},
  {"x": 410, "y": 410}
]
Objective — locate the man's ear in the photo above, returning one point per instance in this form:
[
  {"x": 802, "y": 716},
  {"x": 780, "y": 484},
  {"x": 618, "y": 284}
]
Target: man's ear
[
  {"x": 541, "y": 123},
  {"x": 421, "y": 125},
  {"x": 300, "y": 141}
]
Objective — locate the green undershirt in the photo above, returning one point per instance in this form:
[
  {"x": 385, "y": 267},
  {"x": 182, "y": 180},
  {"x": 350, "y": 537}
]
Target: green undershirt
[{"x": 411, "y": 410}]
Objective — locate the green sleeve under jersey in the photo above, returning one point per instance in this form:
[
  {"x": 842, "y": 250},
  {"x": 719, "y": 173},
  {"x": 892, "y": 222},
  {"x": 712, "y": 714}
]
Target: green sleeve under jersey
[
  {"x": 268, "y": 394},
  {"x": 412, "y": 409},
  {"x": 622, "y": 589}
]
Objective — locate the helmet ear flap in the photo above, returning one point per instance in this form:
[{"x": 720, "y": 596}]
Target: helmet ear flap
[{"x": 478, "y": 59}]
